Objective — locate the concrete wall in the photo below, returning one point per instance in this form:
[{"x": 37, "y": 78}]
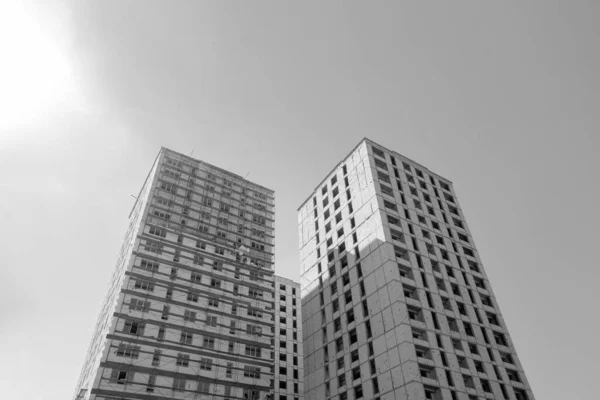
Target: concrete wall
[
  {"x": 417, "y": 288},
  {"x": 288, "y": 317}
]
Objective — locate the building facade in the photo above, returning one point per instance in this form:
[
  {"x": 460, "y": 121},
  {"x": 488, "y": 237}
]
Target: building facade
[
  {"x": 289, "y": 365},
  {"x": 396, "y": 303},
  {"x": 189, "y": 313}
]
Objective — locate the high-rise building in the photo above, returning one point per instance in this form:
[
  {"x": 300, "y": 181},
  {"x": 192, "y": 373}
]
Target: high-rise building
[
  {"x": 396, "y": 303},
  {"x": 189, "y": 311},
  {"x": 288, "y": 364}
]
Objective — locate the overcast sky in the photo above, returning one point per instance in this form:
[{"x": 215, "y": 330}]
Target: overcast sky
[{"x": 503, "y": 99}]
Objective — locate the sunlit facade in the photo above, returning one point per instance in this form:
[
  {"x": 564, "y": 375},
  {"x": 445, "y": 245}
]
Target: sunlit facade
[{"x": 396, "y": 303}]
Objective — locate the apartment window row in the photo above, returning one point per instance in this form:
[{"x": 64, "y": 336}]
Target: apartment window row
[
  {"x": 124, "y": 377},
  {"x": 235, "y": 230},
  {"x": 416, "y": 313},
  {"x": 193, "y": 295},
  {"x": 201, "y": 255},
  {"x": 191, "y": 316},
  {"x": 381, "y": 162},
  {"x": 196, "y": 277},
  {"x": 213, "y": 176},
  {"x": 418, "y": 206},
  {"x": 460, "y": 308},
  {"x": 222, "y": 203},
  {"x": 224, "y": 227},
  {"x": 431, "y": 249}
]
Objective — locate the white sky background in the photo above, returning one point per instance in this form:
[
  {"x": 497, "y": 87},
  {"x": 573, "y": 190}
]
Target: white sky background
[{"x": 502, "y": 99}]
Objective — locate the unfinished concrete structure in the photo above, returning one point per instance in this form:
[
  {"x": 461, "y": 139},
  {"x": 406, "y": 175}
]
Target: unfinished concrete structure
[
  {"x": 395, "y": 301},
  {"x": 288, "y": 357},
  {"x": 189, "y": 312}
]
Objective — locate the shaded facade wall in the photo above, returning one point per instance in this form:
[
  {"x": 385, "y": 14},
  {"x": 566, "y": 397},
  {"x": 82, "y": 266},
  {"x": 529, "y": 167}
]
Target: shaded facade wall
[
  {"x": 289, "y": 353},
  {"x": 194, "y": 304},
  {"x": 397, "y": 304}
]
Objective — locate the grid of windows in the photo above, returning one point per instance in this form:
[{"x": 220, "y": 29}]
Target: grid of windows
[
  {"x": 207, "y": 243},
  {"x": 288, "y": 354},
  {"x": 437, "y": 276}
]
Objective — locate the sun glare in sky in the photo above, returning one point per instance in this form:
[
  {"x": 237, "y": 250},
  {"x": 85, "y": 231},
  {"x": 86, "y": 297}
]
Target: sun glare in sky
[{"x": 35, "y": 75}]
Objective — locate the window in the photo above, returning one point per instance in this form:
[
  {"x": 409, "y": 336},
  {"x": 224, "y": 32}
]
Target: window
[
  {"x": 342, "y": 380},
  {"x": 457, "y": 344},
  {"x": 161, "y": 232},
  {"x": 215, "y": 283},
  {"x": 336, "y": 205},
  {"x": 479, "y": 366},
  {"x": 134, "y": 327},
  {"x": 344, "y": 260},
  {"x": 473, "y": 266},
  {"x": 186, "y": 337},
  {"x": 183, "y": 360},
  {"x": 440, "y": 284},
  {"x": 149, "y": 265},
  {"x": 468, "y": 252},
  {"x": 387, "y": 190},
  {"x": 378, "y": 152},
  {"x": 513, "y": 375},
  {"x": 334, "y": 288},
  {"x": 469, "y": 382},
  {"x": 179, "y": 384},
  {"x": 431, "y": 392},
  {"x": 253, "y": 330},
  {"x": 468, "y": 329},
  {"x": 492, "y": 318},
  {"x": 405, "y": 272},
  {"x": 139, "y": 305},
  {"x": 427, "y": 371},
  {"x": 213, "y": 302},
  {"x": 192, "y": 297},
  {"x": 506, "y": 357},
  {"x": 256, "y": 312},
  {"x": 473, "y": 348},
  {"x": 423, "y": 352},
  {"x": 206, "y": 364},
  {"x": 121, "y": 377},
  {"x": 339, "y": 344},
  {"x": 353, "y": 336},
  {"x": 128, "y": 350},
  {"x": 479, "y": 282},
  {"x": 355, "y": 373},
  {"x": 335, "y": 305},
  {"x": 211, "y": 320},
  {"x": 251, "y": 372},
  {"x": 253, "y": 351},
  {"x": 453, "y": 324},
  {"x": 337, "y": 324},
  {"x": 189, "y": 315},
  {"x": 394, "y": 221},
  {"x": 415, "y": 314},
  {"x": 430, "y": 248},
  {"x": 348, "y": 297},
  {"x": 390, "y": 205},
  {"x": 203, "y": 387},
  {"x": 520, "y": 394},
  {"x": 144, "y": 285}
]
